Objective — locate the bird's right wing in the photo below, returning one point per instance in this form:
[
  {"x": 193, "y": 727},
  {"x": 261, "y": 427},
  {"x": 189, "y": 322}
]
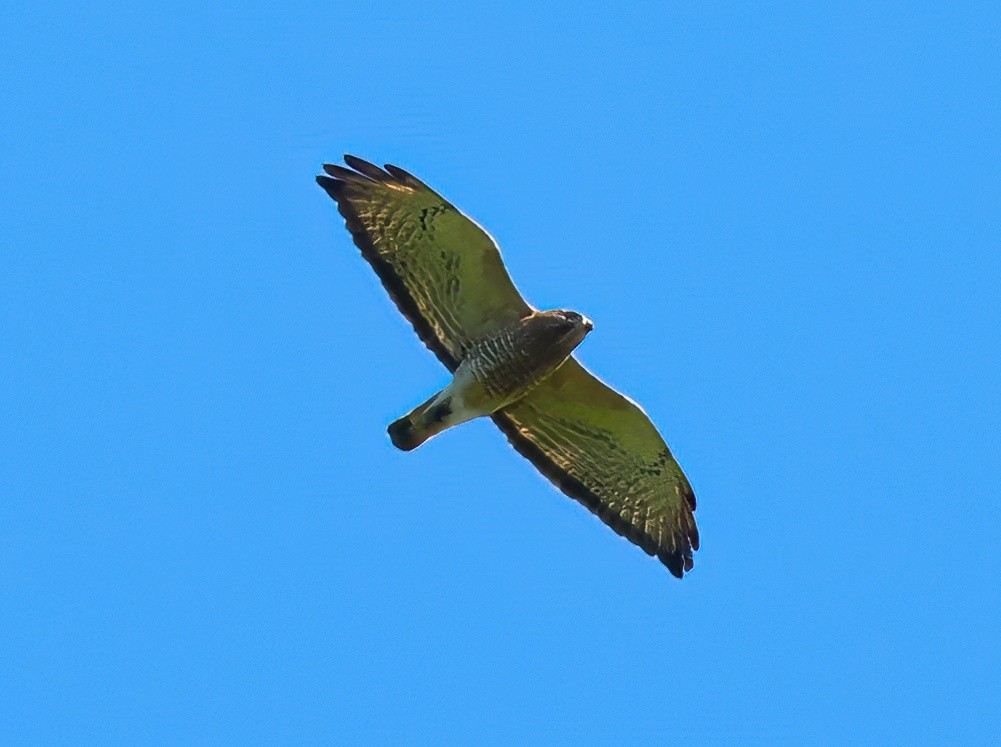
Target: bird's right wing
[
  {"x": 443, "y": 271},
  {"x": 601, "y": 449}
]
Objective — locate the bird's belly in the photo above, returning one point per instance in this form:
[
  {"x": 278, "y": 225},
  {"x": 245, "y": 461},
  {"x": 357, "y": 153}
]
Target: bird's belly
[{"x": 497, "y": 372}]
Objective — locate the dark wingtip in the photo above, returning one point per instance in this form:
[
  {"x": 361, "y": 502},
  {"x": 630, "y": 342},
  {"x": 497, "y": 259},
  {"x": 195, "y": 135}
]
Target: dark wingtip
[
  {"x": 362, "y": 171},
  {"x": 339, "y": 172},
  {"x": 365, "y": 168},
  {"x": 404, "y": 177},
  {"x": 678, "y": 558},
  {"x": 332, "y": 186},
  {"x": 675, "y": 564}
]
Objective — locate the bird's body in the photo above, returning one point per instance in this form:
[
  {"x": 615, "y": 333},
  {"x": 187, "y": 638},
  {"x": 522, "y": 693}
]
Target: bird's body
[
  {"x": 511, "y": 362},
  {"x": 498, "y": 369}
]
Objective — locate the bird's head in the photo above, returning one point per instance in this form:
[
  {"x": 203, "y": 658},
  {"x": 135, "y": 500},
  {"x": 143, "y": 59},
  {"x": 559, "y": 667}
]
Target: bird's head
[{"x": 569, "y": 327}]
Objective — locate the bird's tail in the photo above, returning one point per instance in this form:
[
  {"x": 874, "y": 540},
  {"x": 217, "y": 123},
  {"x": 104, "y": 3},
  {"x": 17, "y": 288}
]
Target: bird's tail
[{"x": 427, "y": 419}]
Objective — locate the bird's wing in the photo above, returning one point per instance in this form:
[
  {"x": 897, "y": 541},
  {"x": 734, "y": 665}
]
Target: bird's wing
[
  {"x": 443, "y": 271},
  {"x": 601, "y": 449}
]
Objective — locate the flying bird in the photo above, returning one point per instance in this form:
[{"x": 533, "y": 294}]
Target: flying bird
[{"x": 512, "y": 362}]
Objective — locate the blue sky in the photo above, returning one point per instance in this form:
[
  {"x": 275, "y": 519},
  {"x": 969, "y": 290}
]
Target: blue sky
[{"x": 783, "y": 220}]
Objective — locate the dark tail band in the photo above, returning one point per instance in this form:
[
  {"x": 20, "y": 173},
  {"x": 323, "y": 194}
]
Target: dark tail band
[{"x": 403, "y": 435}]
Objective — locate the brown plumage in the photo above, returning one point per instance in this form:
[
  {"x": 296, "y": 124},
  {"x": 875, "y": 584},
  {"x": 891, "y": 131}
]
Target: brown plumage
[{"x": 498, "y": 369}]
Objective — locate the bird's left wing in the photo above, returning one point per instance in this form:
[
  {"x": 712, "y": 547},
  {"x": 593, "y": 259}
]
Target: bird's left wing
[
  {"x": 601, "y": 449},
  {"x": 443, "y": 271}
]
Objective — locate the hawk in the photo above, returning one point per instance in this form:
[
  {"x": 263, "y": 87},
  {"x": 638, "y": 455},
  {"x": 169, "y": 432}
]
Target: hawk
[{"x": 512, "y": 362}]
